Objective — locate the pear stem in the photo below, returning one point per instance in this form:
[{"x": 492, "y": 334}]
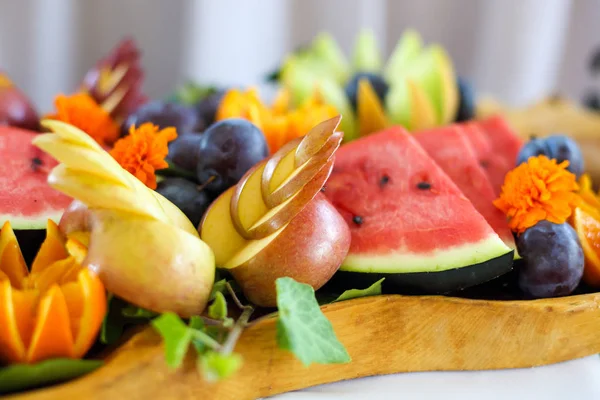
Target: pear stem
[
  {"x": 236, "y": 299},
  {"x": 236, "y": 331}
]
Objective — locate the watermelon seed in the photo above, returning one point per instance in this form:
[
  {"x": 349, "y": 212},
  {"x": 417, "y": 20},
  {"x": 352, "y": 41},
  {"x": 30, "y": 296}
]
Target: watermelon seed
[
  {"x": 484, "y": 163},
  {"x": 323, "y": 189},
  {"x": 424, "y": 185},
  {"x": 357, "y": 219},
  {"x": 384, "y": 180}
]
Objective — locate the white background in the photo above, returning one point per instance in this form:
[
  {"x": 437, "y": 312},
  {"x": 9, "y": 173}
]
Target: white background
[{"x": 518, "y": 50}]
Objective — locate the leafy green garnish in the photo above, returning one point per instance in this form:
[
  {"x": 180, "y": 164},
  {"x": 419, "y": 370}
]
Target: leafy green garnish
[
  {"x": 219, "y": 286},
  {"x": 373, "y": 290},
  {"x": 216, "y": 366},
  {"x": 177, "y": 337},
  {"x": 119, "y": 315},
  {"x": 303, "y": 329},
  {"x": 191, "y": 93},
  {"x": 24, "y": 376}
]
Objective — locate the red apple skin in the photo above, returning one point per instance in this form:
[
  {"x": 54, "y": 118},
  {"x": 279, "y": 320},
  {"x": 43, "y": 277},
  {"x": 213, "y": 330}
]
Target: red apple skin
[
  {"x": 16, "y": 110},
  {"x": 310, "y": 250}
]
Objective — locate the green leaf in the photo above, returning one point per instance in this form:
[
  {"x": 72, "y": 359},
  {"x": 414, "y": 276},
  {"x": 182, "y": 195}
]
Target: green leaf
[
  {"x": 303, "y": 329},
  {"x": 190, "y": 93},
  {"x": 132, "y": 311},
  {"x": 176, "y": 335},
  {"x": 197, "y": 323},
  {"x": 367, "y": 57},
  {"x": 218, "y": 308},
  {"x": 373, "y": 290},
  {"x": 218, "y": 287},
  {"x": 24, "y": 376},
  {"x": 119, "y": 315},
  {"x": 216, "y": 366}
]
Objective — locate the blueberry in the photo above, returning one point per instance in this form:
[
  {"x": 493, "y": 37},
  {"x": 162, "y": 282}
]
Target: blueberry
[
  {"x": 379, "y": 85},
  {"x": 186, "y": 196},
  {"x": 164, "y": 115},
  {"x": 552, "y": 260},
  {"x": 228, "y": 149},
  {"x": 466, "y": 105},
  {"x": 558, "y": 147}
]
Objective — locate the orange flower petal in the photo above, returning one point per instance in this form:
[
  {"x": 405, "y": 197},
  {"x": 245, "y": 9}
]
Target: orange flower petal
[
  {"x": 11, "y": 259},
  {"x": 90, "y": 293},
  {"x": 11, "y": 346},
  {"x": 52, "y": 249},
  {"x": 52, "y": 333}
]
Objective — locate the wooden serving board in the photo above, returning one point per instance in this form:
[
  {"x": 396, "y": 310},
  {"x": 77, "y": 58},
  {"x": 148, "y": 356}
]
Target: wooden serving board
[{"x": 383, "y": 334}]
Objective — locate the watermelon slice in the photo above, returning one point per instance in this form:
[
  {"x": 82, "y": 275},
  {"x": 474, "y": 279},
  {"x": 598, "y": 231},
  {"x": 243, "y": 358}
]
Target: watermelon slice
[
  {"x": 502, "y": 137},
  {"x": 409, "y": 222},
  {"x": 451, "y": 150},
  {"x": 495, "y": 165},
  {"x": 25, "y": 197}
]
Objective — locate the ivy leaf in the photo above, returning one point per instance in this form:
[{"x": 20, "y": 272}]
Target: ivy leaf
[
  {"x": 24, "y": 376},
  {"x": 177, "y": 337},
  {"x": 303, "y": 329},
  {"x": 119, "y": 315},
  {"x": 218, "y": 308},
  {"x": 131, "y": 311},
  {"x": 373, "y": 290},
  {"x": 216, "y": 366},
  {"x": 218, "y": 287}
]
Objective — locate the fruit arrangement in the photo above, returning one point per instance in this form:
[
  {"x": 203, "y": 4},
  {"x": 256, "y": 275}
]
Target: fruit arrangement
[{"x": 213, "y": 214}]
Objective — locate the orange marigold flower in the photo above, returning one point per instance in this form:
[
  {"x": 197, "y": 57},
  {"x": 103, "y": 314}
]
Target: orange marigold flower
[
  {"x": 538, "y": 190},
  {"x": 279, "y": 123},
  {"x": 82, "y": 111},
  {"x": 143, "y": 151}
]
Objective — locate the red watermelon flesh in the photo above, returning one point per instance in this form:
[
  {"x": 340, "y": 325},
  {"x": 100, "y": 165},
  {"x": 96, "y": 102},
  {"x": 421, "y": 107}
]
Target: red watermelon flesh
[
  {"x": 405, "y": 214},
  {"x": 451, "y": 150},
  {"x": 502, "y": 137},
  {"x": 494, "y": 164},
  {"x": 25, "y": 197}
]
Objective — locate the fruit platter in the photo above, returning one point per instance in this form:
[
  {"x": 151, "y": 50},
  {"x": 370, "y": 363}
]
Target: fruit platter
[{"x": 373, "y": 217}]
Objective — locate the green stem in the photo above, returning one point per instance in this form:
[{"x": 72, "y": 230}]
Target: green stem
[
  {"x": 207, "y": 340},
  {"x": 236, "y": 331}
]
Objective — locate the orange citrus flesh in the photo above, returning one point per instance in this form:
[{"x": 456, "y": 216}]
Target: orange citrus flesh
[
  {"x": 57, "y": 309},
  {"x": 587, "y": 226}
]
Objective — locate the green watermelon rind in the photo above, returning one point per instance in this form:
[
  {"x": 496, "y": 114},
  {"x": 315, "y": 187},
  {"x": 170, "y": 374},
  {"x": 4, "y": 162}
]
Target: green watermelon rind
[
  {"x": 31, "y": 222},
  {"x": 437, "y": 261}
]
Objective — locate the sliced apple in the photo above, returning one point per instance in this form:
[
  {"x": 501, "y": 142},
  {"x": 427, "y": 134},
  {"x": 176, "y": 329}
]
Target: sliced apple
[
  {"x": 371, "y": 115},
  {"x": 248, "y": 191},
  {"x": 367, "y": 57},
  {"x": 314, "y": 140},
  {"x": 296, "y": 232},
  {"x": 282, "y": 214},
  {"x": 433, "y": 72},
  {"x": 407, "y": 49},
  {"x": 309, "y": 249},
  {"x": 408, "y": 105},
  {"x": 302, "y": 175},
  {"x": 335, "y": 95}
]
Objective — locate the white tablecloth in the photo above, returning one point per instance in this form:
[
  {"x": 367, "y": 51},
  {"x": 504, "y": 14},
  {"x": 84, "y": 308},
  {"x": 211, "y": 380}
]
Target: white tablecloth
[{"x": 572, "y": 380}]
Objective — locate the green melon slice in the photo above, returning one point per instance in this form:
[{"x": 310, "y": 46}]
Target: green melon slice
[{"x": 367, "y": 57}]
